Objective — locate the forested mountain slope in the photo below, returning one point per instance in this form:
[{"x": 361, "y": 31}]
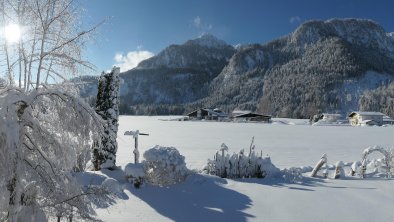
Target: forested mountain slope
[
  {"x": 323, "y": 66},
  {"x": 179, "y": 74}
]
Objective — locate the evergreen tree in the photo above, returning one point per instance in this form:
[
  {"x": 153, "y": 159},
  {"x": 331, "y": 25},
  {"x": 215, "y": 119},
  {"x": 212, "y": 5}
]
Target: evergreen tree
[{"x": 107, "y": 106}]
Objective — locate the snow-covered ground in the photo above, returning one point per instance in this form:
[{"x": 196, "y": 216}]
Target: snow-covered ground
[{"x": 290, "y": 143}]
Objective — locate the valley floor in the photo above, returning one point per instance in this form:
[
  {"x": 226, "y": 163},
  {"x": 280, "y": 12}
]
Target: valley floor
[{"x": 289, "y": 143}]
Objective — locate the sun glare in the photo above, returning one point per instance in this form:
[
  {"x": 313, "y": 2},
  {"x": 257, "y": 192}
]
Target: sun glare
[{"x": 12, "y": 33}]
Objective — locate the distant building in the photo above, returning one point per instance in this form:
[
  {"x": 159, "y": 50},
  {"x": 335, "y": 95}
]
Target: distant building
[
  {"x": 239, "y": 112},
  {"x": 250, "y": 116},
  {"x": 329, "y": 117},
  {"x": 207, "y": 114},
  {"x": 387, "y": 120},
  {"x": 361, "y": 118}
]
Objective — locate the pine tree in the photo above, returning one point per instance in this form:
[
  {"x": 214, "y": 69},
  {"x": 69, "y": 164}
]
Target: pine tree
[{"x": 107, "y": 106}]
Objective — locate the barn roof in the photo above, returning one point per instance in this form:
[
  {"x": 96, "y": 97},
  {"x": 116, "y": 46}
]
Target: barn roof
[
  {"x": 215, "y": 112},
  {"x": 362, "y": 113},
  {"x": 332, "y": 114},
  {"x": 250, "y": 114}
]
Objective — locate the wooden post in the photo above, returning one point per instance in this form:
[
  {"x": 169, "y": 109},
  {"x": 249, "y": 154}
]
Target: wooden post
[
  {"x": 135, "y": 135},
  {"x": 136, "y": 152}
]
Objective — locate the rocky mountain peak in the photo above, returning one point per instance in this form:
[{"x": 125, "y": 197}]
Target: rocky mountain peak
[
  {"x": 208, "y": 40},
  {"x": 197, "y": 53},
  {"x": 361, "y": 32}
]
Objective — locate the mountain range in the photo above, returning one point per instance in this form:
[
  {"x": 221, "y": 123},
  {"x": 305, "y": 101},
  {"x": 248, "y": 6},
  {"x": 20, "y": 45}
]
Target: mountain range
[{"x": 336, "y": 66}]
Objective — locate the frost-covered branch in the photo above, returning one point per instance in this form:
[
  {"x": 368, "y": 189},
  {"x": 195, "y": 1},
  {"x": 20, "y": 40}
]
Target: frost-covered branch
[
  {"x": 52, "y": 40},
  {"x": 45, "y": 136}
]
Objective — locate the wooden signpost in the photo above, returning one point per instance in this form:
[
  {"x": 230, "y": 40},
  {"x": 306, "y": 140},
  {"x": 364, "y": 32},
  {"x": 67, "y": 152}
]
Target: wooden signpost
[{"x": 135, "y": 135}]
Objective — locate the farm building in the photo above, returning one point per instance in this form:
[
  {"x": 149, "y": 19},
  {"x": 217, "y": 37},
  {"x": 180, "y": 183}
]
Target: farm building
[
  {"x": 250, "y": 116},
  {"x": 329, "y": 117},
  {"x": 207, "y": 114},
  {"x": 239, "y": 112},
  {"x": 361, "y": 118},
  {"x": 387, "y": 120}
]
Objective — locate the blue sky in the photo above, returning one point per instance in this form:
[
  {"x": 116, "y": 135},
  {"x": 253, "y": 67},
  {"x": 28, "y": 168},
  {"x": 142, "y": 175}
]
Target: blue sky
[{"x": 137, "y": 29}]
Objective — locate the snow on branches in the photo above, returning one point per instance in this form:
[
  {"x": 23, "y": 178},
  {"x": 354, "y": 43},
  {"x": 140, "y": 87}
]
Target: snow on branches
[
  {"x": 107, "y": 106},
  {"x": 45, "y": 136},
  {"x": 386, "y": 164}
]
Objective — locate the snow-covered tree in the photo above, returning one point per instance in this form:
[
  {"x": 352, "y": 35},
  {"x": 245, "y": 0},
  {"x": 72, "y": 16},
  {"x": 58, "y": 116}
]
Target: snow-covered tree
[
  {"x": 45, "y": 136},
  {"x": 107, "y": 106},
  {"x": 47, "y": 44}
]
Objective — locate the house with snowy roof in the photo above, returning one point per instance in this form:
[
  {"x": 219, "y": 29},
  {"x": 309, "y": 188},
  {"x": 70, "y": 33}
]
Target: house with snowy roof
[
  {"x": 251, "y": 116},
  {"x": 207, "y": 114},
  {"x": 361, "y": 118}
]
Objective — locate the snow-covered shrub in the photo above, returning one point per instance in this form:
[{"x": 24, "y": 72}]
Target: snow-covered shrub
[
  {"x": 339, "y": 171},
  {"x": 135, "y": 174},
  {"x": 164, "y": 166},
  {"x": 355, "y": 169},
  {"x": 240, "y": 165},
  {"x": 391, "y": 160},
  {"x": 292, "y": 175},
  {"x": 384, "y": 165}
]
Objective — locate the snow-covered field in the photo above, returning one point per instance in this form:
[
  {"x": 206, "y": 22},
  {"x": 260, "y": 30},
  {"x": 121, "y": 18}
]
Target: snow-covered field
[{"x": 290, "y": 143}]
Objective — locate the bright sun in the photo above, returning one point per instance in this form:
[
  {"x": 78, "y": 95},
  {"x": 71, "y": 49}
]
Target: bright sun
[{"x": 12, "y": 33}]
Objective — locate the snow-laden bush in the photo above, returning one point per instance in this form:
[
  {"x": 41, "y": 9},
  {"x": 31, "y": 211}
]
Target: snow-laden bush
[
  {"x": 391, "y": 160},
  {"x": 384, "y": 165},
  {"x": 292, "y": 174},
  {"x": 135, "y": 174},
  {"x": 164, "y": 166},
  {"x": 240, "y": 165}
]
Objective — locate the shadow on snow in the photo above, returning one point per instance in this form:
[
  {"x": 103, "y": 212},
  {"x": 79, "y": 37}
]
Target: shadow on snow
[
  {"x": 204, "y": 197},
  {"x": 306, "y": 184},
  {"x": 199, "y": 198}
]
